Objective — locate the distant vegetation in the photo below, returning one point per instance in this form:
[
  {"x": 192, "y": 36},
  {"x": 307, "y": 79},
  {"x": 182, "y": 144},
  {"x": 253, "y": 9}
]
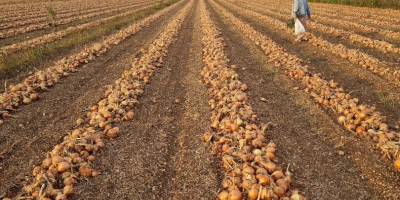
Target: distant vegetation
[{"x": 394, "y": 4}]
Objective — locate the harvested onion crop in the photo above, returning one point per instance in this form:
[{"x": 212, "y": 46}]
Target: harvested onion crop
[
  {"x": 238, "y": 139},
  {"x": 357, "y": 118},
  {"x": 72, "y": 159}
]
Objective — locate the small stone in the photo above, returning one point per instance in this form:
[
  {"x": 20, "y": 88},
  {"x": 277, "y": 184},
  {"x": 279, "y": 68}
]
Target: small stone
[
  {"x": 263, "y": 99},
  {"x": 177, "y": 101},
  {"x": 340, "y": 153}
]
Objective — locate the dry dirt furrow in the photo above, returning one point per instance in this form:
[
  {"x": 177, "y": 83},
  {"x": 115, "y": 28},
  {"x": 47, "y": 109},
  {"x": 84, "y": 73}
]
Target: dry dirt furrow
[
  {"x": 28, "y": 136},
  {"x": 308, "y": 137},
  {"x": 367, "y": 87},
  {"x": 160, "y": 155}
]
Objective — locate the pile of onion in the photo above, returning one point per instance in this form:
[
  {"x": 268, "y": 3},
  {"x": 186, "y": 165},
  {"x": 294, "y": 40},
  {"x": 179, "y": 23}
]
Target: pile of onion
[
  {"x": 240, "y": 141},
  {"x": 357, "y": 118},
  {"x": 73, "y": 157}
]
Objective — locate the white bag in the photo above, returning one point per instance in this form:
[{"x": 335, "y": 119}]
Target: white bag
[{"x": 298, "y": 27}]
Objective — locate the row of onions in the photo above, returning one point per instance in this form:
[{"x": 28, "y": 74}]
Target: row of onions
[
  {"x": 38, "y": 41},
  {"x": 72, "y": 159},
  {"x": 24, "y": 10},
  {"x": 26, "y": 92},
  {"x": 353, "y": 55},
  {"x": 39, "y": 26},
  {"x": 239, "y": 140},
  {"x": 383, "y": 46},
  {"x": 358, "y": 118},
  {"x": 35, "y": 20}
]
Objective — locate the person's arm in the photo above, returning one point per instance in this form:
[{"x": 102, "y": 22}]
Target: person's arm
[{"x": 295, "y": 8}]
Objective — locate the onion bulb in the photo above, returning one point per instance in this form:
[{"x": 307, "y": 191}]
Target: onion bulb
[
  {"x": 297, "y": 196},
  {"x": 341, "y": 119},
  {"x": 252, "y": 194},
  {"x": 61, "y": 197},
  {"x": 235, "y": 195},
  {"x": 68, "y": 190},
  {"x": 397, "y": 164},
  {"x": 263, "y": 180},
  {"x": 223, "y": 195},
  {"x": 63, "y": 166},
  {"x": 46, "y": 163}
]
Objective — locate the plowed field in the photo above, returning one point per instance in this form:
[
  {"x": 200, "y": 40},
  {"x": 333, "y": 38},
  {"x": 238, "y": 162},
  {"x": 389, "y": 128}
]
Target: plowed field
[{"x": 207, "y": 99}]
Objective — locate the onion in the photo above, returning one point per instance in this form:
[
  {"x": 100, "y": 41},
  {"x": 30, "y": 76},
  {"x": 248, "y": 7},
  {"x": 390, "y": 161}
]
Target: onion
[
  {"x": 36, "y": 170},
  {"x": 91, "y": 158},
  {"x": 56, "y": 159},
  {"x": 397, "y": 164},
  {"x": 113, "y": 133},
  {"x": 263, "y": 180},
  {"x": 282, "y": 183},
  {"x": 63, "y": 166},
  {"x": 252, "y": 193},
  {"x": 76, "y": 133},
  {"x": 261, "y": 171},
  {"x": 234, "y": 127},
  {"x": 85, "y": 172},
  {"x": 69, "y": 181},
  {"x": 46, "y": 163},
  {"x": 223, "y": 195},
  {"x": 277, "y": 175},
  {"x": 33, "y": 96},
  {"x": 235, "y": 195},
  {"x": 270, "y": 167},
  {"x": 341, "y": 119},
  {"x": 296, "y": 196},
  {"x": 129, "y": 115},
  {"x": 360, "y": 129},
  {"x": 257, "y": 152},
  {"x": 247, "y": 184},
  {"x": 61, "y": 197},
  {"x": 279, "y": 191},
  {"x": 270, "y": 156},
  {"x": 68, "y": 190},
  {"x": 206, "y": 136},
  {"x": 247, "y": 170}
]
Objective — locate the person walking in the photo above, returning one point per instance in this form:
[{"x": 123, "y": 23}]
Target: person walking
[{"x": 300, "y": 10}]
